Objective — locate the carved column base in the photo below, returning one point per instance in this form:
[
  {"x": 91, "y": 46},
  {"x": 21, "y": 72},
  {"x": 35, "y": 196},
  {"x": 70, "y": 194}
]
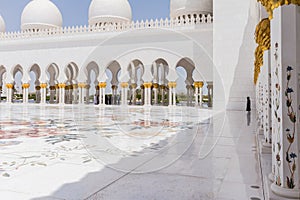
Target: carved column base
[{"x": 284, "y": 192}]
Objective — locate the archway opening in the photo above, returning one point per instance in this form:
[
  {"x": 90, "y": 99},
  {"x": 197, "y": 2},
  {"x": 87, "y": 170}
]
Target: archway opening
[
  {"x": 181, "y": 89},
  {"x": 160, "y": 89},
  {"x": 136, "y": 71},
  {"x": 52, "y": 74},
  {"x": 115, "y": 70},
  {"x": 34, "y": 89},
  {"x": 188, "y": 66},
  {"x": 92, "y": 88},
  {"x": 17, "y": 91},
  {"x": 71, "y": 90}
]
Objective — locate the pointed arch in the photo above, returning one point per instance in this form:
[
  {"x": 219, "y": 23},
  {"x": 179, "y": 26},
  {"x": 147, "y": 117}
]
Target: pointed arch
[{"x": 2, "y": 72}]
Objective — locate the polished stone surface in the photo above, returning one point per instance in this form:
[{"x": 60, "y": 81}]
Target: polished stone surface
[{"x": 130, "y": 153}]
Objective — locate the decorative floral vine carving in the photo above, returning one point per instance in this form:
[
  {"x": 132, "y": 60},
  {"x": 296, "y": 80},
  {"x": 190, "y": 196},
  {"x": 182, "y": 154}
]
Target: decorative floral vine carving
[
  {"x": 290, "y": 133},
  {"x": 276, "y": 104}
]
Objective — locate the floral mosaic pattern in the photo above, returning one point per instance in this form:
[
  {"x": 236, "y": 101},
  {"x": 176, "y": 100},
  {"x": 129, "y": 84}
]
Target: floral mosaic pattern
[
  {"x": 290, "y": 132},
  {"x": 277, "y": 147},
  {"x": 34, "y": 138}
]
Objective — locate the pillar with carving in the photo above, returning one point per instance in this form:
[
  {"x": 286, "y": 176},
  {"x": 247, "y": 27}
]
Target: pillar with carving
[{"x": 285, "y": 47}]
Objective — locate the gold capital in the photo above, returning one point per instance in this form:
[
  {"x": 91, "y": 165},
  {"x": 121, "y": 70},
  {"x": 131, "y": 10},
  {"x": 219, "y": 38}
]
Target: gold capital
[
  {"x": 148, "y": 85},
  {"x": 124, "y": 84},
  {"x": 102, "y": 85},
  {"x": 61, "y": 85},
  {"x": 9, "y": 85},
  {"x": 156, "y": 85},
  {"x": 81, "y": 85},
  {"x": 43, "y": 85},
  {"x": 25, "y": 85},
  {"x": 198, "y": 84},
  {"x": 172, "y": 84}
]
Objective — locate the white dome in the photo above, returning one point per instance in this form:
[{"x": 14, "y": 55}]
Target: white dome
[
  {"x": 186, "y": 7},
  {"x": 2, "y": 24},
  {"x": 109, "y": 11},
  {"x": 41, "y": 14}
]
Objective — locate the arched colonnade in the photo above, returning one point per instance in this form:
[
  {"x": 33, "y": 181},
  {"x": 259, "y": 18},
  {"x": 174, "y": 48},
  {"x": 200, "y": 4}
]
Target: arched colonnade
[{"x": 124, "y": 88}]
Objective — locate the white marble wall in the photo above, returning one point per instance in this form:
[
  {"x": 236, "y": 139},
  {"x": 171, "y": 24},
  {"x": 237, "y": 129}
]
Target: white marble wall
[{"x": 233, "y": 51}]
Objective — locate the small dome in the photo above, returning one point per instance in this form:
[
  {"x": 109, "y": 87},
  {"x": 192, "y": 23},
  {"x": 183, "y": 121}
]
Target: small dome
[
  {"x": 190, "y": 7},
  {"x": 109, "y": 11},
  {"x": 2, "y": 24},
  {"x": 41, "y": 14}
]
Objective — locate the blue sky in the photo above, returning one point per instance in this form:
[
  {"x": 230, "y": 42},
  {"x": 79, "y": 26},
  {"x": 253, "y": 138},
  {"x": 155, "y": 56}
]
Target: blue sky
[{"x": 75, "y": 12}]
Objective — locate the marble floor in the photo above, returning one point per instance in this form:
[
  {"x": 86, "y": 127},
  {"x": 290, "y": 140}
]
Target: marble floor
[{"x": 73, "y": 152}]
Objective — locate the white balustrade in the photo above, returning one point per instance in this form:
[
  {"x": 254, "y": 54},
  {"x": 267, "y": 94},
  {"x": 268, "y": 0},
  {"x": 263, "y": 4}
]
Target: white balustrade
[{"x": 167, "y": 23}]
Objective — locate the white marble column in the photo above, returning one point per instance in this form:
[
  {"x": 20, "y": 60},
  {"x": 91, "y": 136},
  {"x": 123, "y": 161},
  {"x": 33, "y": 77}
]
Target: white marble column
[
  {"x": 81, "y": 92},
  {"x": 124, "y": 93},
  {"x": 43, "y": 93},
  {"x": 147, "y": 92},
  {"x": 57, "y": 91},
  {"x": 25, "y": 87},
  {"x": 101, "y": 85},
  {"x": 9, "y": 87},
  {"x": 266, "y": 104},
  {"x": 170, "y": 96},
  {"x": 37, "y": 94},
  {"x": 285, "y": 47},
  {"x": 198, "y": 93},
  {"x": 62, "y": 93},
  {"x": 172, "y": 93},
  {"x": 155, "y": 90},
  {"x": 74, "y": 94},
  {"x": 133, "y": 91}
]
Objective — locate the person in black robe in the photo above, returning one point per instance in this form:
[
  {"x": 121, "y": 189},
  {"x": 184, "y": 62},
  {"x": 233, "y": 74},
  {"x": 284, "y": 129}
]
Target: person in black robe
[{"x": 248, "y": 108}]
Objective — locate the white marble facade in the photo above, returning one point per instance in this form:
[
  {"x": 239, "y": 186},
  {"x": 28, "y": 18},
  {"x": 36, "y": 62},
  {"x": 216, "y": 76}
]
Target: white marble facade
[
  {"x": 63, "y": 59},
  {"x": 212, "y": 40}
]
